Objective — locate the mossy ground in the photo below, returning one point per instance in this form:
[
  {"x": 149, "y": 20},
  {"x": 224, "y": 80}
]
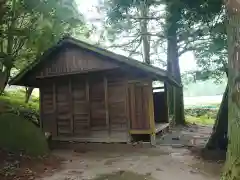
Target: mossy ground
[
  {"x": 18, "y": 134},
  {"x": 202, "y": 120}
]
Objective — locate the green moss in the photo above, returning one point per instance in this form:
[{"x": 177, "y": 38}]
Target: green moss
[
  {"x": 16, "y": 99},
  {"x": 202, "y": 120},
  {"x": 18, "y": 134},
  {"x": 13, "y": 102},
  {"x": 201, "y": 115}
]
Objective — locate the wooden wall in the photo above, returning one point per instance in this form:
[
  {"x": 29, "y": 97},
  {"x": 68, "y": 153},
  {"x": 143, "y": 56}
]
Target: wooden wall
[
  {"x": 103, "y": 101},
  {"x": 71, "y": 60},
  {"x": 86, "y": 107},
  {"x": 117, "y": 107}
]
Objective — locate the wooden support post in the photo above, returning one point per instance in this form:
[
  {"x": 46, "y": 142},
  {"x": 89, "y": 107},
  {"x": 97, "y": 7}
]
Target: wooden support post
[
  {"x": 88, "y": 103},
  {"x": 153, "y": 139},
  {"x": 133, "y": 106},
  {"x": 71, "y": 105},
  {"x": 40, "y": 108},
  {"x": 127, "y": 106},
  {"x": 55, "y": 133},
  {"x": 151, "y": 114},
  {"x": 106, "y": 105}
]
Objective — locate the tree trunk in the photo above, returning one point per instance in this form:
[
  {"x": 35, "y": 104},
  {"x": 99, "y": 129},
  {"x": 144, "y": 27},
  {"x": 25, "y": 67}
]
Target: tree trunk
[
  {"x": 28, "y": 94},
  {"x": 179, "y": 117},
  {"x": 176, "y": 104},
  {"x": 144, "y": 32},
  {"x": 4, "y": 77},
  {"x": 232, "y": 168},
  {"x": 170, "y": 71},
  {"x": 218, "y": 139}
]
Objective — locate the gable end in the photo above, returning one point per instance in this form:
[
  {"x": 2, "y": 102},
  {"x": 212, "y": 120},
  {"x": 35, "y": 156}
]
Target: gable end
[{"x": 73, "y": 60}]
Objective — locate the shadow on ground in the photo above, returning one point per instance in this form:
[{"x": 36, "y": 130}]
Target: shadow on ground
[{"x": 123, "y": 175}]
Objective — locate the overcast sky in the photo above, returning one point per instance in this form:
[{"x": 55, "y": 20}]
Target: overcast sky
[{"x": 187, "y": 60}]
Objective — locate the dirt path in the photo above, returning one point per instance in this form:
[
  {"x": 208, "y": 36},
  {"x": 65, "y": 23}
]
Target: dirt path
[{"x": 118, "y": 162}]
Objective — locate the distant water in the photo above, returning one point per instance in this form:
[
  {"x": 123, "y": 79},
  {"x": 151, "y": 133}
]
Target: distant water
[{"x": 202, "y": 100}]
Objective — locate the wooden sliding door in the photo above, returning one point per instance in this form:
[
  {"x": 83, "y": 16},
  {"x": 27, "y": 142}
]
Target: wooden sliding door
[{"x": 139, "y": 105}]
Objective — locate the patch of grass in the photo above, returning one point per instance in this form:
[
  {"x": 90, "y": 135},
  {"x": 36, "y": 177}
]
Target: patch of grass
[
  {"x": 207, "y": 105},
  {"x": 13, "y": 102},
  {"x": 202, "y": 120},
  {"x": 17, "y": 98},
  {"x": 17, "y": 134}
]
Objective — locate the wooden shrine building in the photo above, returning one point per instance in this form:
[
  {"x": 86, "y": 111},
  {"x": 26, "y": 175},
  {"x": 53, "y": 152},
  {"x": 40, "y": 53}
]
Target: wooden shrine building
[{"x": 89, "y": 94}]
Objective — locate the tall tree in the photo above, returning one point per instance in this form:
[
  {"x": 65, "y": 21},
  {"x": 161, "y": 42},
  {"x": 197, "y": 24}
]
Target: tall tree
[
  {"x": 183, "y": 27},
  {"x": 144, "y": 9},
  {"x": 124, "y": 12},
  {"x": 131, "y": 21},
  {"x": 187, "y": 22},
  {"x": 28, "y": 27},
  {"x": 175, "y": 94},
  {"x": 212, "y": 59},
  {"x": 232, "y": 170}
]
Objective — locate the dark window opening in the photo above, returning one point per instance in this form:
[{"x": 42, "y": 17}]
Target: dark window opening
[{"x": 160, "y": 106}]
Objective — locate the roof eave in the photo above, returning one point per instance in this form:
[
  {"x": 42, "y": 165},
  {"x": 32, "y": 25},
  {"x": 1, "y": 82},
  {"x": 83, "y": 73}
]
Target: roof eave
[{"x": 157, "y": 72}]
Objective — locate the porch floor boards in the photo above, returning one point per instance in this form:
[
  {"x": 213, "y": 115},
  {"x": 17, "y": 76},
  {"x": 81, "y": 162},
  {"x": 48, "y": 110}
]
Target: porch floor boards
[{"x": 160, "y": 127}]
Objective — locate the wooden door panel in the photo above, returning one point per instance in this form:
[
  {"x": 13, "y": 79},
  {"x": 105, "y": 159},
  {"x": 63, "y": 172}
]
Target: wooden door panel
[
  {"x": 80, "y": 107},
  {"x": 81, "y": 111},
  {"x": 63, "y": 108},
  {"x": 98, "y": 120},
  {"x": 138, "y": 97},
  {"x": 117, "y": 101},
  {"x": 48, "y": 109}
]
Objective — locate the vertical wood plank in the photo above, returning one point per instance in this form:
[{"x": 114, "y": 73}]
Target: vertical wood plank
[
  {"x": 106, "y": 105},
  {"x": 71, "y": 105},
  {"x": 145, "y": 102},
  {"x": 55, "y": 131},
  {"x": 138, "y": 112},
  {"x": 40, "y": 108},
  {"x": 133, "y": 106},
  {"x": 151, "y": 107},
  {"x": 143, "y": 123},
  {"x": 127, "y": 106},
  {"x": 88, "y": 102}
]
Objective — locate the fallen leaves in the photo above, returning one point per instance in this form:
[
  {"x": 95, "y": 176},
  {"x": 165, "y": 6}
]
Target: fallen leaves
[{"x": 20, "y": 167}]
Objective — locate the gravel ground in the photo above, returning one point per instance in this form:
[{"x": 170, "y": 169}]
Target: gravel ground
[{"x": 170, "y": 159}]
